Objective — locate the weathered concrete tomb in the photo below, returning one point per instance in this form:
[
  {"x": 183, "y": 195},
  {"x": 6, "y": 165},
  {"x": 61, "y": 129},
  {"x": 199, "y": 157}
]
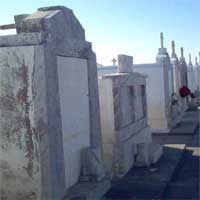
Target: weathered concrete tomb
[
  {"x": 49, "y": 107},
  {"x": 163, "y": 108},
  {"x": 127, "y": 139}
]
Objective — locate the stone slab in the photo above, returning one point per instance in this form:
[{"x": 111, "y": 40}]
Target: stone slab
[
  {"x": 172, "y": 139},
  {"x": 23, "y": 39},
  {"x": 185, "y": 128},
  {"x": 188, "y": 124},
  {"x": 88, "y": 191},
  {"x": 124, "y": 79},
  {"x": 74, "y": 101}
]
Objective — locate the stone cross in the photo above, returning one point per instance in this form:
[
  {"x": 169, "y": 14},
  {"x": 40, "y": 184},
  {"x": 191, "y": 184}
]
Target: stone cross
[
  {"x": 182, "y": 56},
  {"x": 114, "y": 61},
  {"x": 162, "y": 40},
  {"x": 173, "y": 49}
]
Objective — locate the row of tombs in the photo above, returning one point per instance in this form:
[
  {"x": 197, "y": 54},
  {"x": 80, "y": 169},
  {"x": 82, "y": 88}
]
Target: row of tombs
[{"x": 60, "y": 124}]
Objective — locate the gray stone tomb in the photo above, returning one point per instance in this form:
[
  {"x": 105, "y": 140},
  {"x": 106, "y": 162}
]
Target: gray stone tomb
[{"x": 49, "y": 107}]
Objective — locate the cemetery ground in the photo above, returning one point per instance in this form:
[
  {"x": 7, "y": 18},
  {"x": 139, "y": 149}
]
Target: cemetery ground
[{"x": 175, "y": 176}]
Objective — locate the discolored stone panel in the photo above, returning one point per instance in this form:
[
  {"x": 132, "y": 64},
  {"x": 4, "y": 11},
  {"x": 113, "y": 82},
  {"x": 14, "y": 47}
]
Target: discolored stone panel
[{"x": 19, "y": 153}]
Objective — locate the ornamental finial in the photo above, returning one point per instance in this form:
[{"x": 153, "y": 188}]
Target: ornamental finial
[
  {"x": 190, "y": 60},
  {"x": 161, "y": 40},
  {"x": 182, "y": 52},
  {"x": 199, "y": 57},
  {"x": 173, "y": 49},
  {"x": 196, "y": 62}
]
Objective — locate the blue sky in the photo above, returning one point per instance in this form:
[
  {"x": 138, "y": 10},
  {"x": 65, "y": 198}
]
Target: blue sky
[{"x": 126, "y": 26}]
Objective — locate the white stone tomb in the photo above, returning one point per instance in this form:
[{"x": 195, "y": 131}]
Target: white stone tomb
[
  {"x": 159, "y": 90},
  {"x": 126, "y": 135}
]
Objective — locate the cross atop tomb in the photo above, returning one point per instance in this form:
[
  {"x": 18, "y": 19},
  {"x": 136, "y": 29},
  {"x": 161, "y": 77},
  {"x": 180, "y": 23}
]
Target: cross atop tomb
[
  {"x": 114, "y": 61},
  {"x": 161, "y": 40},
  {"x": 173, "y": 49}
]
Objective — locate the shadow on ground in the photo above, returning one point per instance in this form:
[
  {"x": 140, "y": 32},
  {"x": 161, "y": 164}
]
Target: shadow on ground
[
  {"x": 175, "y": 176},
  {"x": 147, "y": 183},
  {"x": 185, "y": 182}
]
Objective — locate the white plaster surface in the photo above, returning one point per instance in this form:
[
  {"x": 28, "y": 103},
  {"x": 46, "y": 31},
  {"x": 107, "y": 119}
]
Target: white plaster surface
[
  {"x": 159, "y": 88},
  {"x": 157, "y": 96},
  {"x": 73, "y": 89},
  {"x": 106, "y": 110}
]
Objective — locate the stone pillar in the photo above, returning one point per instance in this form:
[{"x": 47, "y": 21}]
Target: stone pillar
[
  {"x": 158, "y": 98},
  {"x": 166, "y": 74},
  {"x": 191, "y": 75},
  {"x": 183, "y": 69},
  {"x": 183, "y": 79},
  {"x": 176, "y": 70},
  {"x": 125, "y": 64},
  {"x": 198, "y": 75}
]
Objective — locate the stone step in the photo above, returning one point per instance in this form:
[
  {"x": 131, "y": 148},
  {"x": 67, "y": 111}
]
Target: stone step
[
  {"x": 149, "y": 154},
  {"x": 87, "y": 190},
  {"x": 155, "y": 152}
]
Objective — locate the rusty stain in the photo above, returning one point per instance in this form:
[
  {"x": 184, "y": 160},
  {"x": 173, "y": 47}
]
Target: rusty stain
[
  {"x": 34, "y": 92},
  {"x": 21, "y": 95},
  {"x": 16, "y": 126},
  {"x": 19, "y": 104},
  {"x": 24, "y": 100}
]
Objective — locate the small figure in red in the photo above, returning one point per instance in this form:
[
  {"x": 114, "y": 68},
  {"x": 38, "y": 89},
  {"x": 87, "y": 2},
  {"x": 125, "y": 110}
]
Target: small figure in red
[{"x": 185, "y": 91}]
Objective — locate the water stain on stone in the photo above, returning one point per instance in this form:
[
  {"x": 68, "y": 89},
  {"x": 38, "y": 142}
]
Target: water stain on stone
[{"x": 23, "y": 99}]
